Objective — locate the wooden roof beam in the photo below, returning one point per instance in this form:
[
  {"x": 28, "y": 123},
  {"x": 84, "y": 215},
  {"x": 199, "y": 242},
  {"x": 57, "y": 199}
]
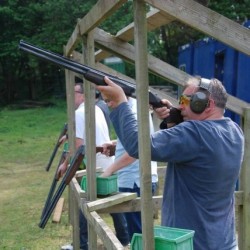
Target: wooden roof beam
[
  {"x": 155, "y": 19},
  {"x": 100, "y": 11},
  {"x": 207, "y": 21},
  {"x": 126, "y": 51}
]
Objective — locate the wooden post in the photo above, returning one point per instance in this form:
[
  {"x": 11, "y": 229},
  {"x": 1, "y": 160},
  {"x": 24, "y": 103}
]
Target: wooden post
[
  {"x": 90, "y": 143},
  {"x": 244, "y": 210},
  {"x": 141, "y": 66}
]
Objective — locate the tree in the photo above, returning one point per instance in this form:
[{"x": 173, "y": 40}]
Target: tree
[{"x": 49, "y": 24}]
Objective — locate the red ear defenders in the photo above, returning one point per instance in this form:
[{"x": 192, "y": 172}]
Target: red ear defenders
[{"x": 200, "y": 100}]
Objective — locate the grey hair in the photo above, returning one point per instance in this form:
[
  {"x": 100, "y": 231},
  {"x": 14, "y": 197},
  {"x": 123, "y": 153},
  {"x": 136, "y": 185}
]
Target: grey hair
[{"x": 216, "y": 89}]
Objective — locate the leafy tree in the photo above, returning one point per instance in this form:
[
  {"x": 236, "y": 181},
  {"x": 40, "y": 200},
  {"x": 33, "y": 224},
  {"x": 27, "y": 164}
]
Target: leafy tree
[
  {"x": 49, "y": 24},
  {"x": 45, "y": 23}
]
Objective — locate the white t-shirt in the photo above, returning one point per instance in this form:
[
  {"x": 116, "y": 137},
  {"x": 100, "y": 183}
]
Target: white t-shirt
[{"x": 102, "y": 133}]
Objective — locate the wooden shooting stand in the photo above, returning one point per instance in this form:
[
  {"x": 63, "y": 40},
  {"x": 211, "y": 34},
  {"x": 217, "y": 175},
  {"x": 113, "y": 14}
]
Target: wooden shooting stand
[{"x": 87, "y": 33}]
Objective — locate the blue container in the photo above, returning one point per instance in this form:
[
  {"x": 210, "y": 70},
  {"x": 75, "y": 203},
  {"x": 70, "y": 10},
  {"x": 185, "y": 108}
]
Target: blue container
[
  {"x": 204, "y": 59},
  {"x": 186, "y": 57},
  {"x": 243, "y": 77}
]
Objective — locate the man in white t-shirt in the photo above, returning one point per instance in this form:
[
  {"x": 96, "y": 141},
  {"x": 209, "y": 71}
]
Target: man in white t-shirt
[{"x": 103, "y": 161}]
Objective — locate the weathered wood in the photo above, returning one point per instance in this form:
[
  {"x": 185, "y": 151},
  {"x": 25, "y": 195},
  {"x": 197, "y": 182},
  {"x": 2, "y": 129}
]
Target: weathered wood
[
  {"x": 244, "y": 227},
  {"x": 132, "y": 206},
  {"x": 110, "y": 201},
  {"x": 99, "y": 226},
  {"x": 141, "y": 70},
  {"x": 155, "y": 19},
  {"x": 58, "y": 210},
  {"x": 76, "y": 190},
  {"x": 81, "y": 173},
  {"x": 89, "y": 91},
  {"x": 96, "y": 15},
  {"x": 238, "y": 195},
  {"x": 126, "y": 51},
  {"x": 207, "y": 21}
]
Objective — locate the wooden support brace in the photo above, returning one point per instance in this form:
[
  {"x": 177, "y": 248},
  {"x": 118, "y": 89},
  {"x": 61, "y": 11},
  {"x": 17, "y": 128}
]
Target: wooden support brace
[
  {"x": 110, "y": 201},
  {"x": 58, "y": 210}
]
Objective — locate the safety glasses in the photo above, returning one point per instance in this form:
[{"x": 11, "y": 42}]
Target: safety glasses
[{"x": 185, "y": 100}]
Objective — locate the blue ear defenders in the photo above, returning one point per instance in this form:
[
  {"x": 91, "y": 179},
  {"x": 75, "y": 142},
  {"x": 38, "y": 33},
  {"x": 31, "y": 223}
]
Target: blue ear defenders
[{"x": 200, "y": 100}]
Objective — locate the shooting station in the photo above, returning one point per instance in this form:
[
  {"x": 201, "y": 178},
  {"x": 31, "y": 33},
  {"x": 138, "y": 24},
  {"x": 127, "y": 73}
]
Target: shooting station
[{"x": 98, "y": 45}]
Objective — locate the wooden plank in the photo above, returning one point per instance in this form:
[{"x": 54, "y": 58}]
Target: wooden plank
[
  {"x": 244, "y": 217},
  {"x": 155, "y": 19},
  {"x": 135, "y": 204},
  {"x": 76, "y": 190},
  {"x": 126, "y": 51},
  {"x": 81, "y": 173},
  {"x": 132, "y": 206},
  {"x": 102, "y": 230},
  {"x": 207, "y": 21},
  {"x": 58, "y": 210},
  {"x": 141, "y": 71},
  {"x": 89, "y": 102},
  {"x": 110, "y": 201},
  {"x": 101, "y": 10}
]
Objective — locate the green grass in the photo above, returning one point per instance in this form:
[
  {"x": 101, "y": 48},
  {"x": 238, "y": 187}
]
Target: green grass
[{"x": 27, "y": 138}]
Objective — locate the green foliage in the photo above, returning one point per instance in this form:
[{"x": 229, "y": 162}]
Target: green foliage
[{"x": 49, "y": 24}]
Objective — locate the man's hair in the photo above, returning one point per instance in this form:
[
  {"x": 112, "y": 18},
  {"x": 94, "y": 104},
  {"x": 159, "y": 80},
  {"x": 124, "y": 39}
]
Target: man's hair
[
  {"x": 218, "y": 93},
  {"x": 216, "y": 89},
  {"x": 81, "y": 88}
]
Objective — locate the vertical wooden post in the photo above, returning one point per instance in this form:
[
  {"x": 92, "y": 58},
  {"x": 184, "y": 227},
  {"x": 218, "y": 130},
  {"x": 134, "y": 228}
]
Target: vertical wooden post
[
  {"x": 90, "y": 143},
  {"x": 73, "y": 212},
  {"x": 244, "y": 210},
  {"x": 141, "y": 65}
]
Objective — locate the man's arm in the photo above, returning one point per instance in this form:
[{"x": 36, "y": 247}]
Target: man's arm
[{"x": 118, "y": 164}]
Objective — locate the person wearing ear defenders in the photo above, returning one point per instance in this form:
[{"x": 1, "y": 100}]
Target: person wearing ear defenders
[{"x": 204, "y": 155}]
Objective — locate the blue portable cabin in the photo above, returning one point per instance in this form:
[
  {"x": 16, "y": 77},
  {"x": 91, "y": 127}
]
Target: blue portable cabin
[
  {"x": 186, "y": 57},
  {"x": 185, "y": 60},
  {"x": 243, "y": 77}
]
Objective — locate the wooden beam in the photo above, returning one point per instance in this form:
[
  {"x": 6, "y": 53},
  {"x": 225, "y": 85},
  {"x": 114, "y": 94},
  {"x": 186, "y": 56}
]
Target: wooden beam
[
  {"x": 207, "y": 21},
  {"x": 103, "y": 231},
  {"x": 141, "y": 72},
  {"x": 244, "y": 225},
  {"x": 58, "y": 210},
  {"x": 162, "y": 69},
  {"x": 100, "y": 11},
  {"x": 132, "y": 206},
  {"x": 110, "y": 201},
  {"x": 155, "y": 19}
]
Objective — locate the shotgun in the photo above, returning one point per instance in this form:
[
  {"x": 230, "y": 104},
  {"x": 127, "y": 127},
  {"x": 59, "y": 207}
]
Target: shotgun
[
  {"x": 54, "y": 183},
  {"x": 58, "y": 143},
  {"x": 96, "y": 76},
  {"x": 70, "y": 173}
]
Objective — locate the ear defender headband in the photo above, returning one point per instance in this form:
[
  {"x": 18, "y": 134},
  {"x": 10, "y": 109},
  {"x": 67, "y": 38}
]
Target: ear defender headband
[{"x": 200, "y": 100}]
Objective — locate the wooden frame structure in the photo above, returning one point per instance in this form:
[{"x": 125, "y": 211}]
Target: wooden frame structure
[{"x": 88, "y": 34}]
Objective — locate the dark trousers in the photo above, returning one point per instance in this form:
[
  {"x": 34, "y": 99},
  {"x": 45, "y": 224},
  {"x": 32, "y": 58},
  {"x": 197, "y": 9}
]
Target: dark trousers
[{"x": 134, "y": 218}]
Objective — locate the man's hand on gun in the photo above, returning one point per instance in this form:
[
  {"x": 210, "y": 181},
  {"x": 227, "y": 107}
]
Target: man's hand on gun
[
  {"x": 164, "y": 111},
  {"x": 114, "y": 96},
  {"x": 112, "y": 92}
]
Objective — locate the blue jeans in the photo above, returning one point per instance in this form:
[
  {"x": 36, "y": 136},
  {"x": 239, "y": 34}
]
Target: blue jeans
[
  {"x": 120, "y": 226},
  {"x": 134, "y": 218}
]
